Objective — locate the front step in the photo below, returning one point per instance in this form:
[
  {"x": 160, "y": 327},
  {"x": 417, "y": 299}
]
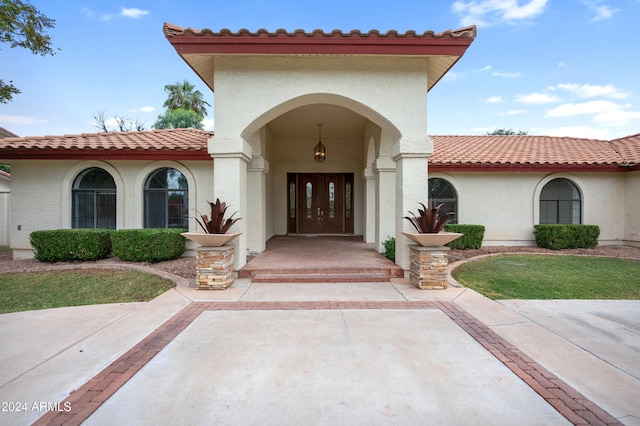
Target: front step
[{"x": 336, "y": 277}]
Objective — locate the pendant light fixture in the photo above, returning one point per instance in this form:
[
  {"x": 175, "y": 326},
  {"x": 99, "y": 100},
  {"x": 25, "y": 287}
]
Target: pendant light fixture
[{"x": 319, "y": 152}]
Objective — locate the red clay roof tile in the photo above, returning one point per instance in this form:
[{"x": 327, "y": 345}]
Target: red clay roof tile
[
  {"x": 628, "y": 148},
  {"x": 522, "y": 150},
  {"x": 171, "y": 30},
  {"x": 462, "y": 153},
  {"x": 178, "y": 143}
]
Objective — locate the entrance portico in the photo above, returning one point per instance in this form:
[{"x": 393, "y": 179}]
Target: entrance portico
[{"x": 369, "y": 93}]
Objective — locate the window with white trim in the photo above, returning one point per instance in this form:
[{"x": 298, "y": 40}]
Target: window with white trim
[
  {"x": 560, "y": 202},
  {"x": 166, "y": 200},
  {"x": 93, "y": 200},
  {"x": 442, "y": 192}
]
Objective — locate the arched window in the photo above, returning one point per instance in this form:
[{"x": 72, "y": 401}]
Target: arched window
[
  {"x": 442, "y": 192},
  {"x": 560, "y": 202},
  {"x": 166, "y": 200},
  {"x": 94, "y": 200}
]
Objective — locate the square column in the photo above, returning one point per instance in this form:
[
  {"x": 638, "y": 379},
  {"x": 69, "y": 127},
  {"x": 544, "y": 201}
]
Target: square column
[
  {"x": 428, "y": 267},
  {"x": 385, "y": 199},
  {"x": 230, "y": 159},
  {"x": 214, "y": 268},
  {"x": 412, "y": 187},
  {"x": 257, "y": 171}
]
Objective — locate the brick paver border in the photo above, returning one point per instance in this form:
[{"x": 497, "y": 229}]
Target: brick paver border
[{"x": 88, "y": 398}]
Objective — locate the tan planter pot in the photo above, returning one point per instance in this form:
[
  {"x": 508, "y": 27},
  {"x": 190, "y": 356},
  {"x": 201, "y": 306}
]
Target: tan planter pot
[
  {"x": 432, "y": 240},
  {"x": 210, "y": 240}
]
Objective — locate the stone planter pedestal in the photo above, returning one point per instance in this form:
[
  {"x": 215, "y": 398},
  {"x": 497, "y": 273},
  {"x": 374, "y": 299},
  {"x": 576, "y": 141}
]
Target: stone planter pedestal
[
  {"x": 214, "y": 267},
  {"x": 428, "y": 270}
]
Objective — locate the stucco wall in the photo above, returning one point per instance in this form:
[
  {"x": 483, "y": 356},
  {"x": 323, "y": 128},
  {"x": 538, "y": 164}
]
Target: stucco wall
[
  {"x": 242, "y": 82},
  {"x": 632, "y": 208},
  {"x": 42, "y": 193},
  {"x": 5, "y": 205},
  {"x": 507, "y": 204}
]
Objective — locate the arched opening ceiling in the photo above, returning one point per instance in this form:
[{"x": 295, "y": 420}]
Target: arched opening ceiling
[{"x": 302, "y": 122}]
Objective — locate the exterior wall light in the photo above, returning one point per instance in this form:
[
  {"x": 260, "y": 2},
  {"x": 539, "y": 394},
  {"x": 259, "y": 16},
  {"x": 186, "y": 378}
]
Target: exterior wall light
[{"x": 319, "y": 153}]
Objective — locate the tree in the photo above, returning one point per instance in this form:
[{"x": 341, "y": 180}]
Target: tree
[
  {"x": 507, "y": 132},
  {"x": 121, "y": 123},
  {"x": 183, "y": 96},
  {"x": 179, "y": 119},
  {"x": 22, "y": 25}
]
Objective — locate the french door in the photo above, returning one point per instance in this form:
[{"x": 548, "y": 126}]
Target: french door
[{"x": 320, "y": 203}]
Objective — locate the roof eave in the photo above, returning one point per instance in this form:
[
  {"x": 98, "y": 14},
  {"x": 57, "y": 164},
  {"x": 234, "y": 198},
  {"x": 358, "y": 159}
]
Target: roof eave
[
  {"x": 79, "y": 154},
  {"x": 516, "y": 167}
]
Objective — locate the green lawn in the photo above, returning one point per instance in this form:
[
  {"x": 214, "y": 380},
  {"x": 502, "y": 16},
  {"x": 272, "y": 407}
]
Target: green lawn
[
  {"x": 551, "y": 277},
  {"x": 43, "y": 290}
]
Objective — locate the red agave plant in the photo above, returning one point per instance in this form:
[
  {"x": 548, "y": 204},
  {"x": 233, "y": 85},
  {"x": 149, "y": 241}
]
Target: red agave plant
[{"x": 217, "y": 224}]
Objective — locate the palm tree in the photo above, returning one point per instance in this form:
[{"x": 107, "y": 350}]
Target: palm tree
[{"x": 183, "y": 96}]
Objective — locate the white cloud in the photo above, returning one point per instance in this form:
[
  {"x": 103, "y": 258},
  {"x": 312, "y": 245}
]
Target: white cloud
[
  {"x": 208, "y": 123},
  {"x": 19, "y": 119},
  {"x": 89, "y": 13},
  {"x": 602, "y": 11},
  {"x": 451, "y": 75},
  {"x": 489, "y": 12},
  {"x": 617, "y": 118},
  {"x": 591, "y": 91},
  {"x": 578, "y": 132},
  {"x": 513, "y": 112},
  {"x": 142, "y": 109},
  {"x": 485, "y": 68},
  {"x": 591, "y": 107},
  {"x": 506, "y": 74},
  {"x": 133, "y": 13},
  {"x": 562, "y": 64},
  {"x": 494, "y": 100},
  {"x": 536, "y": 98}
]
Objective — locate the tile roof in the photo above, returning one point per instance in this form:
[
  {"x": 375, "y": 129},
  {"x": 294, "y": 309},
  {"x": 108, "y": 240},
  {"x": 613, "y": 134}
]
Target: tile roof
[
  {"x": 453, "y": 153},
  {"x": 168, "y": 143},
  {"x": 628, "y": 148},
  {"x": 525, "y": 152},
  {"x": 171, "y": 30},
  {"x": 198, "y": 47}
]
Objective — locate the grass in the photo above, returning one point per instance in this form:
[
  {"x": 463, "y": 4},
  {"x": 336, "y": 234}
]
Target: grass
[
  {"x": 552, "y": 277},
  {"x": 4, "y": 249},
  {"x": 31, "y": 291}
]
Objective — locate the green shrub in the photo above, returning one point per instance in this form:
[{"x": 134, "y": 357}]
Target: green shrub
[
  {"x": 64, "y": 245},
  {"x": 147, "y": 245},
  {"x": 472, "y": 238},
  {"x": 390, "y": 248},
  {"x": 557, "y": 237}
]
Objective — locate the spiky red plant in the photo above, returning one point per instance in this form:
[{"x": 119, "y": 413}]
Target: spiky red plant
[
  {"x": 217, "y": 224},
  {"x": 428, "y": 220}
]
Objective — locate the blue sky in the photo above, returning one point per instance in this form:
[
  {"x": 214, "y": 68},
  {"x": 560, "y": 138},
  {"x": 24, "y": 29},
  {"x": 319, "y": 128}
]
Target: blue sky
[{"x": 549, "y": 67}]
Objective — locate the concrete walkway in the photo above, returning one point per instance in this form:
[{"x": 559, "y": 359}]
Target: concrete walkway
[{"x": 356, "y": 353}]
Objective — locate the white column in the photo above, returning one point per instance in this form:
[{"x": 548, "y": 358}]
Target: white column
[
  {"x": 412, "y": 187},
  {"x": 257, "y": 214},
  {"x": 369, "y": 179},
  {"x": 230, "y": 158},
  {"x": 385, "y": 172}
]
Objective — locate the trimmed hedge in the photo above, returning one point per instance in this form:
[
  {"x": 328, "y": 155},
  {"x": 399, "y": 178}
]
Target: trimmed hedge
[
  {"x": 472, "y": 238},
  {"x": 64, "y": 245},
  {"x": 557, "y": 237},
  {"x": 390, "y": 248},
  {"x": 147, "y": 245}
]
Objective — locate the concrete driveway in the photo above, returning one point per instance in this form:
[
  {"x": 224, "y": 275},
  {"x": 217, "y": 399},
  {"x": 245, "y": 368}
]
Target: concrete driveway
[{"x": 358, "y": 353}]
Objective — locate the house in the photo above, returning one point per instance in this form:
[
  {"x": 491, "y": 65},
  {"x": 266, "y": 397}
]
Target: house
[
  {"x": 5, "y": 195},
  {"x": 321, "y": 134}
]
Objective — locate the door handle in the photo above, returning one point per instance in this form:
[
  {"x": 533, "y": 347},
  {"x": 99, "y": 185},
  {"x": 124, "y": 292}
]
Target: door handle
[{"x": 318, "y": 213}]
